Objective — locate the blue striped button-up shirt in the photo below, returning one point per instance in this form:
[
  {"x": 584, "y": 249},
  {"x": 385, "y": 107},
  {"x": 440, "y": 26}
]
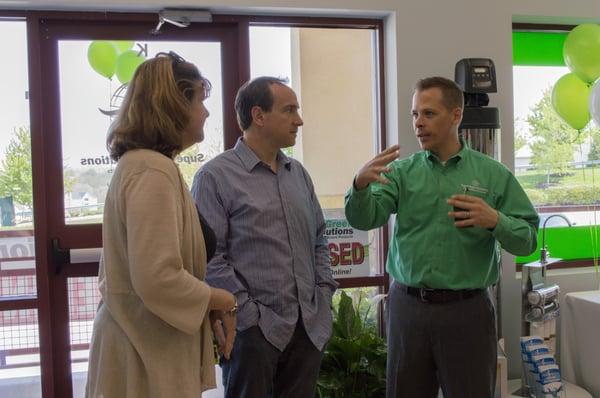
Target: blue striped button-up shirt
[{"x": 271, "y": 249}]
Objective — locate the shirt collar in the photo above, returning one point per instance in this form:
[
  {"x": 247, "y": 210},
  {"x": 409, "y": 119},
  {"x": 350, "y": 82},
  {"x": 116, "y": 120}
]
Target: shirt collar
[
  {"x": 249, "y": 158},
  {"x": 454, "y": 159}
]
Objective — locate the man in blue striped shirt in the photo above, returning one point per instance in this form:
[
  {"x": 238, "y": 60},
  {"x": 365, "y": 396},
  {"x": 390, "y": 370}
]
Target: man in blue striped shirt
[{"x": 271, "y": 249}]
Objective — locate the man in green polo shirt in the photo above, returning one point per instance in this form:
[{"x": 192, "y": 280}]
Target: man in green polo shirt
[{"x": 453, "y": 206}]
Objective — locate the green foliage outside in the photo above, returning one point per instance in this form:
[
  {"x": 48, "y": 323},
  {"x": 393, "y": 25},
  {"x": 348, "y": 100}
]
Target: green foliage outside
[
  {"x": 16, "y": 177},
  {"x": 355, "y": 358},
  {"x": 553, "y": 141},
  {"x": 576, "y": 187},
  {"x": 594, "y": 153},
  {"x": 555, "y": 180},
  {"x": 520, "y": 140},
  {"x": 15, "y": 169}
]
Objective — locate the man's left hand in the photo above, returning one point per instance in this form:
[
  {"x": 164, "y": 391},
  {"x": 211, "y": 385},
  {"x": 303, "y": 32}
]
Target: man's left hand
[{"x": 474, "y": 211}]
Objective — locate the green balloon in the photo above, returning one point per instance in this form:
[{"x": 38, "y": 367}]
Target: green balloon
[
  {"x": 127, "y": 63},
  {"x": 570, "y": 99},
  {"x": 123, "y": 45},
  {"x": 581, "y": 52},
  {"x": 102, "y": 57}
]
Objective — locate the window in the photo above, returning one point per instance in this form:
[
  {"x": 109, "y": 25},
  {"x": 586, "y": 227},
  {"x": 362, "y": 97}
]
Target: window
[
  {"x": 340, "y": 109},
  {"x": 85, "y": 119},
  {"x": 19, "y": 329},
  {"x": 47, "y": 297},
  {"x": 557, "y": 165}
]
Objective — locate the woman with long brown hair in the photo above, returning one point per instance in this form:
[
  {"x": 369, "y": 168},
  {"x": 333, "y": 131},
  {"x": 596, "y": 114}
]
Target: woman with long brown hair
[{"x": 152, "y": 334}]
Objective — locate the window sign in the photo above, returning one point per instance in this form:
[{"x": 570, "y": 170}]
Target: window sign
[
  {"x": 105, "y": 69},
  {"x": 348, "y": 246}
]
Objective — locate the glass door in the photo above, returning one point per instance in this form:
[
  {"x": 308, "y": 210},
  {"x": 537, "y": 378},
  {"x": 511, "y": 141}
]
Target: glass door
[
  {"x": 86, "y": 68},
  {"x": 19, "y": 332}
]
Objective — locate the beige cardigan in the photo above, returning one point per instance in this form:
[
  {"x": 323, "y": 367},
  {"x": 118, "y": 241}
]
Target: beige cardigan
[{"x": 151, "y": 333}]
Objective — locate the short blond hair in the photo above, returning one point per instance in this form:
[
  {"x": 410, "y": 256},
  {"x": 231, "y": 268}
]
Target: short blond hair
[
  {"x": 452, "y": 95},
  {"x": 156, "y": 107}
]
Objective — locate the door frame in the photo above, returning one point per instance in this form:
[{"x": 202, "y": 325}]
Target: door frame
[
  {"x": 44, "y": 31},
  {"x": 45, "y": 27}
]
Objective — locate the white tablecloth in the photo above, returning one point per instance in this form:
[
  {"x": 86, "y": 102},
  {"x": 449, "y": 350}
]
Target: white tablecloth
[{"x": 579, "y": 341}]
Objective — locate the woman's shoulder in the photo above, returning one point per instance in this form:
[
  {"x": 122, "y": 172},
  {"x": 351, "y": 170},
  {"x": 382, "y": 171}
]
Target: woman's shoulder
[{"x": 138, "y": 160}]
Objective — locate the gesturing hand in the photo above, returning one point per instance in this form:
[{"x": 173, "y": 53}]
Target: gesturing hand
[
  {"x": 223, "y": 324},
  {"x": 372, "y": 170},
  {"x": 474, "y": 211}
]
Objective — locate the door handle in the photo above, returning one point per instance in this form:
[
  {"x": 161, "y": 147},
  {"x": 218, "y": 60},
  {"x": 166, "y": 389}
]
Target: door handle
[{"x": 61, "y": 256}]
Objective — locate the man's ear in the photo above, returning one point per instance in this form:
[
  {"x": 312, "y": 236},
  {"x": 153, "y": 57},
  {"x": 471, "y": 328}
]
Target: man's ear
[
  {"x": 258, "y": 115},
  {"x": 457, "y": 114}
]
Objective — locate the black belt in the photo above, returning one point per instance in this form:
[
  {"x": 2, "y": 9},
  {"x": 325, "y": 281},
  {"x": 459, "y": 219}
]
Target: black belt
[{"x": 438, "y": 296}]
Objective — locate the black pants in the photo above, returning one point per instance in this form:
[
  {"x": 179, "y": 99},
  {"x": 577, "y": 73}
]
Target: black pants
[
  {"x": 259, "y": 370},
  {"x": 452, "y": 345}
]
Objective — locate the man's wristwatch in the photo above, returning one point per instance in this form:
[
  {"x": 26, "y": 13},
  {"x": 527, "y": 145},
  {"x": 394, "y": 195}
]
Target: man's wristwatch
[{"x": 233, "y": 310}]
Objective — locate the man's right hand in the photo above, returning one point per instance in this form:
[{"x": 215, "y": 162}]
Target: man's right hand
[{"x": 372, "y": 170}]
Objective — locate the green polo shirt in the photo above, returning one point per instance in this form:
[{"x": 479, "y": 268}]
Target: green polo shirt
[{"x": 426, "y": 249}]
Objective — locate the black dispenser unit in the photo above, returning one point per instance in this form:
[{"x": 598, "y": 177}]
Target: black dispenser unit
[{"x": 480, "y": 127}]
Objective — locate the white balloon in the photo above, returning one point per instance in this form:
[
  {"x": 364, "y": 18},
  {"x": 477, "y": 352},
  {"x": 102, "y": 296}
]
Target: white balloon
[{"x": 595, "y": 103}]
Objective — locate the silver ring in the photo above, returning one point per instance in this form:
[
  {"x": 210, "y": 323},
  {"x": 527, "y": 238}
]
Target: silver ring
[{"x": 468, "y": 214}]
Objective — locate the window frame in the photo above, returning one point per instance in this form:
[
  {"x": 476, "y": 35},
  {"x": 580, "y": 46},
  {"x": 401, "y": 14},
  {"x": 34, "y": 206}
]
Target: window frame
[
  {"x": 382, "y": 279},
  {"x": 569, "y": 263},
  {"x": 51, "y": 341}
]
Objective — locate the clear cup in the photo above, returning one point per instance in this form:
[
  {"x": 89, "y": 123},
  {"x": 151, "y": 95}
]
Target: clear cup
[{"x": 464, "y": 191}]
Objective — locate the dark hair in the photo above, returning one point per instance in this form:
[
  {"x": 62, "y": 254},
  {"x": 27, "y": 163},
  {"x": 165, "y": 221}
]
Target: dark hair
[
  {"x": 452, "y": 95},
  {"x": 156, "y": 107},
  {"x": 255, "y": 92}
]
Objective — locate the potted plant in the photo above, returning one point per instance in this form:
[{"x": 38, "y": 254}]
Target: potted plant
[{"x": 355, "y": 358}]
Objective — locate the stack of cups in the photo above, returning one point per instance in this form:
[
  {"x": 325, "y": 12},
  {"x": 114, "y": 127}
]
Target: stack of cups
[{"x": 542, "y": 374}]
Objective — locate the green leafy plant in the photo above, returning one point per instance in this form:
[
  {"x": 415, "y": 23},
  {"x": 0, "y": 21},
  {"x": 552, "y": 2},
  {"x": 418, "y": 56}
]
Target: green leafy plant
[{"x": 354, "y": 360}]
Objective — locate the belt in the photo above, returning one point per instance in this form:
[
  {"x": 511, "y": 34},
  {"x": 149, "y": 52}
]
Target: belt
[{"x": 438, "y": 296}]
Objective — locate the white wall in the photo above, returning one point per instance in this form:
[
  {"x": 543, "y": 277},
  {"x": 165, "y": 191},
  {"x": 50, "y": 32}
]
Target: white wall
[
  {"x": 423, "y": 38},
  {"x": 336, "y": 105}
]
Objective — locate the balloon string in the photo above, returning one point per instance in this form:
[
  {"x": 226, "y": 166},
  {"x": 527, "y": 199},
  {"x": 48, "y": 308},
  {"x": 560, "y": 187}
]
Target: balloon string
[
  {"x": 581, "y": 154},
  {"x": 591, "y": 207},
  {"x": 578, "y": 135},
  {"x": 593, "y": 227},
  {"x": 595, "y": 242}
]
